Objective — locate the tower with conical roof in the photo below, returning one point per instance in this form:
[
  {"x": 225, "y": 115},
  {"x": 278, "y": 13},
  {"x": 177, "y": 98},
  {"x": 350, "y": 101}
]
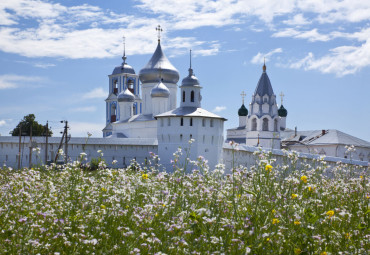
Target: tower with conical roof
[
  {"x": 123, "y": 77},
  {"x": 263, "y": 127}
]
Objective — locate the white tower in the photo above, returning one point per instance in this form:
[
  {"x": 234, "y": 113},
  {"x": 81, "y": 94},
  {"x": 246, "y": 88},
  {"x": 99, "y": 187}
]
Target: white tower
[
  {"x": 176, "y": 127},
  {"x": 283, "y": 113},
  {"x": 160, "y": 94},
  {"x": 126, "y": 100},
  {"x": 123, "y": 77},
  {"x": 263, "y": 119}
]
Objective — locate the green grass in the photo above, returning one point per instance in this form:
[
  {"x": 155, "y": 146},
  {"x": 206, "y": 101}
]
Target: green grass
[{"x": 261, "y": 210}]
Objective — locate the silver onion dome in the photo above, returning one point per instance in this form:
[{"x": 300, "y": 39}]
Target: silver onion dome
[
  {"x": 126, "y": 96},
  {"x": 160, "y": 90},
  {"x": 159, "y": 64},
  {"x": 124, "y": 68},
  {"x": 190, "y": 80}
]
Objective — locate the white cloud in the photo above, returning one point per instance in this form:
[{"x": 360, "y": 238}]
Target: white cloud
[
  {"x": 297, "y": 20},
  {"x": 43, "y": 65},
  {"x": 219, "y": 108},
  {"x": 311, "y": 35},
  {"x": 340, "y": 61},
  {"x": 2, "y": 123},
  {"x": 84, "y": 109},
  {"x": 11, "y": 81},
  {"x": 95, "y": 93},
  {"x": 260, "y": 57}
]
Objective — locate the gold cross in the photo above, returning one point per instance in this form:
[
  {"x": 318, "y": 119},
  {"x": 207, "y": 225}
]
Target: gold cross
[
  {"x": 243, "y": 95},
  {"x": 159, "y": 29},
  {"x": 282, "y": 97}
]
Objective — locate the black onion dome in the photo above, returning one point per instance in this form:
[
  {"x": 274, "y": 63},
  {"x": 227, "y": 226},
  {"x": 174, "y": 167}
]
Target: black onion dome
[
  {"x": 243, "y": 111},
  {"x": 282, "y": 111}
]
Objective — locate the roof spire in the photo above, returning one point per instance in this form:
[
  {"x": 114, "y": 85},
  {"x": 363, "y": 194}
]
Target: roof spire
[
  {"x": 124, "y": 50},
  {"x": 159, "y": 30},
  {"x": 190, "y": 69},
  {"x": 282, "y": 97},
  {"x": 243, "y": 95},
  {"x": 264, "y": 65}
]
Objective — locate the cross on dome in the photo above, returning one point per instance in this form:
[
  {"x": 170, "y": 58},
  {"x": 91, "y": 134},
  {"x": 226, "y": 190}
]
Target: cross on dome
[
  {"x": 282, "y": 97},
  {"x": 124, "y": 49},
  {"x": 159, "y": 29},
  {"x": 243, "y": 95}
]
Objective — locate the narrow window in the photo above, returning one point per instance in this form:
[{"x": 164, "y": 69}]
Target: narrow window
[
  {"x": 169, "y": 138},
  {"x": 161, "y": 122},
  {"x": 191, "y": 136},
  {"x": 275, "y": 125},
  {"x": 265, "y": 125},
  {"x": 254, "y": 124},
  {"x": 169, "y": 122},
  {"x": 204, "y": 138},
  {"x": 191, "y": 121},
  {"x": 213, "y": 138},
  {"x": 183, "y": 96},
  {"x": 203, "y": 122},
  {"x": 211, "y": 124},
  {"x": 192, "y": 96},
  {"x": 181, "y": 138},
  {"x": 182, "y": 122}
]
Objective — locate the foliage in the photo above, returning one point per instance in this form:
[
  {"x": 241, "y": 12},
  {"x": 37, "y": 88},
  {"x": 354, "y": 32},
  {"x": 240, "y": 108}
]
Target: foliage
[
  {"x": 66, "y": 210},
  {"x": 25, "y": 124}
]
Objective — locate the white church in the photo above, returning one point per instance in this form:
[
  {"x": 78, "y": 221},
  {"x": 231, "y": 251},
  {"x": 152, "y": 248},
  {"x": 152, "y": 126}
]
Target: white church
[{"x": 143, "y": 117}]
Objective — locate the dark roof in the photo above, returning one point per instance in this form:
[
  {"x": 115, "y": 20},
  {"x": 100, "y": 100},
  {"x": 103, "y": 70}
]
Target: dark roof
[{"x": 264, "y": 86}]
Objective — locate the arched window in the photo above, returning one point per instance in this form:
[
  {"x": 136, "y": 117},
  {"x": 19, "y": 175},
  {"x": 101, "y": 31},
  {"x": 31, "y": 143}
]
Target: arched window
[
  {"x": 130, "y": 86},
  {"x": 192, "y": 96},
  {"x": 265, "y": 124},
  {"x": 182, "y": 122},
  {"x": 254, "y": 124},
  {"x": 191, "y": 121},
  {"x": 183, "y": 96},
  {"x": 181, "y": 138},
  {"x": 275, "y": 125}
]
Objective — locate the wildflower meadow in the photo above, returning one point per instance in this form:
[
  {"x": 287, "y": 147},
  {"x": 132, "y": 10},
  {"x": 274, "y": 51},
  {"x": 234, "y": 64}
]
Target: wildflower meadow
[{"x": 264, "y": 209}]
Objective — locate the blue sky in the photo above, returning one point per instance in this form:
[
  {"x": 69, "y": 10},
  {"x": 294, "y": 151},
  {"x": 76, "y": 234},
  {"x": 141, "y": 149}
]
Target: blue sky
[{"x": 55, "y": 57}]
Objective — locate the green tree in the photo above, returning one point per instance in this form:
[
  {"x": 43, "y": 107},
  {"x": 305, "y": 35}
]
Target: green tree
[{"x": 25, "y": 124}]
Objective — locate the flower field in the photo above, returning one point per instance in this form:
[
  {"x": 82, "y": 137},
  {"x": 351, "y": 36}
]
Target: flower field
[{"x": 266, "y": 209}]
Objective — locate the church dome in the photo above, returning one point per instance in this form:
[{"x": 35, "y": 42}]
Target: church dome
[
  {"x": 124, "y": 68},
  {"x": 190, "y": 80},
  {"x": 242, "y": 111},
  {"x": 282, "y": 111},
  {"x": 159, "y": 65},
  {"x": 160, "y": 90},
  {"x": 264, "y": 85},
  {"x": 126, "y": 96}
]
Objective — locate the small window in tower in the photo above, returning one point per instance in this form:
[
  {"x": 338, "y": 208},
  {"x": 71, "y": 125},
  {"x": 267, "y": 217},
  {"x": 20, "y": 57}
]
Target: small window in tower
[
  {"x": 191, "y": 136},
  {"x": 211, "y": 124},
  {"x": 254, "y": 124},
  {"x": 192, "y": 96},
  {"x": 182, "y": 122},
  {"x": 183, "y": 96},
  {"x": 213, "y": 138},
  {"x": 169, "y": 122},
  {"x": 181, "y": 138},
  {"x": 203, "y": 122},
  {"x": 265, "y": 124},
  {"x": 275, "y": 125},
  {"x": 161, "y": 122},
  {"x": 204, "y": 138},
  {"x": 191, "y": 121}
]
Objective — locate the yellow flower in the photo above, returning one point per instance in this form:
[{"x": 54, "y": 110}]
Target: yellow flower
[
  {"x": 324, "y": 253},
  {"x": 275, "y": 221},
  {"x": 102, "y": 207},
  {"x": 103, "y": 189},
  {"x": 309, "y": 188},
  {"x": 297, "y": 222},
  {"x": 297, "y": 251},
  {"x": 273, "y": 211},
  {"x": 330, "y": 213},
  {"x": 268, "y": 168},
  {"x": 347, "y": 236},
  {"x": 361, "y": 177},
  {"x": 294, "y": 195},
  {"x": 304, "y": 178},
  {"x": 267, "y": 239},
  {"x": 164, "y": 205},
  {"x": 144, "y": 176}
]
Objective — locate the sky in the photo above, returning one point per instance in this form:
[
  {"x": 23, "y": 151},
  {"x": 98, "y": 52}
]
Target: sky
[{"x": 55, "y": 57}]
